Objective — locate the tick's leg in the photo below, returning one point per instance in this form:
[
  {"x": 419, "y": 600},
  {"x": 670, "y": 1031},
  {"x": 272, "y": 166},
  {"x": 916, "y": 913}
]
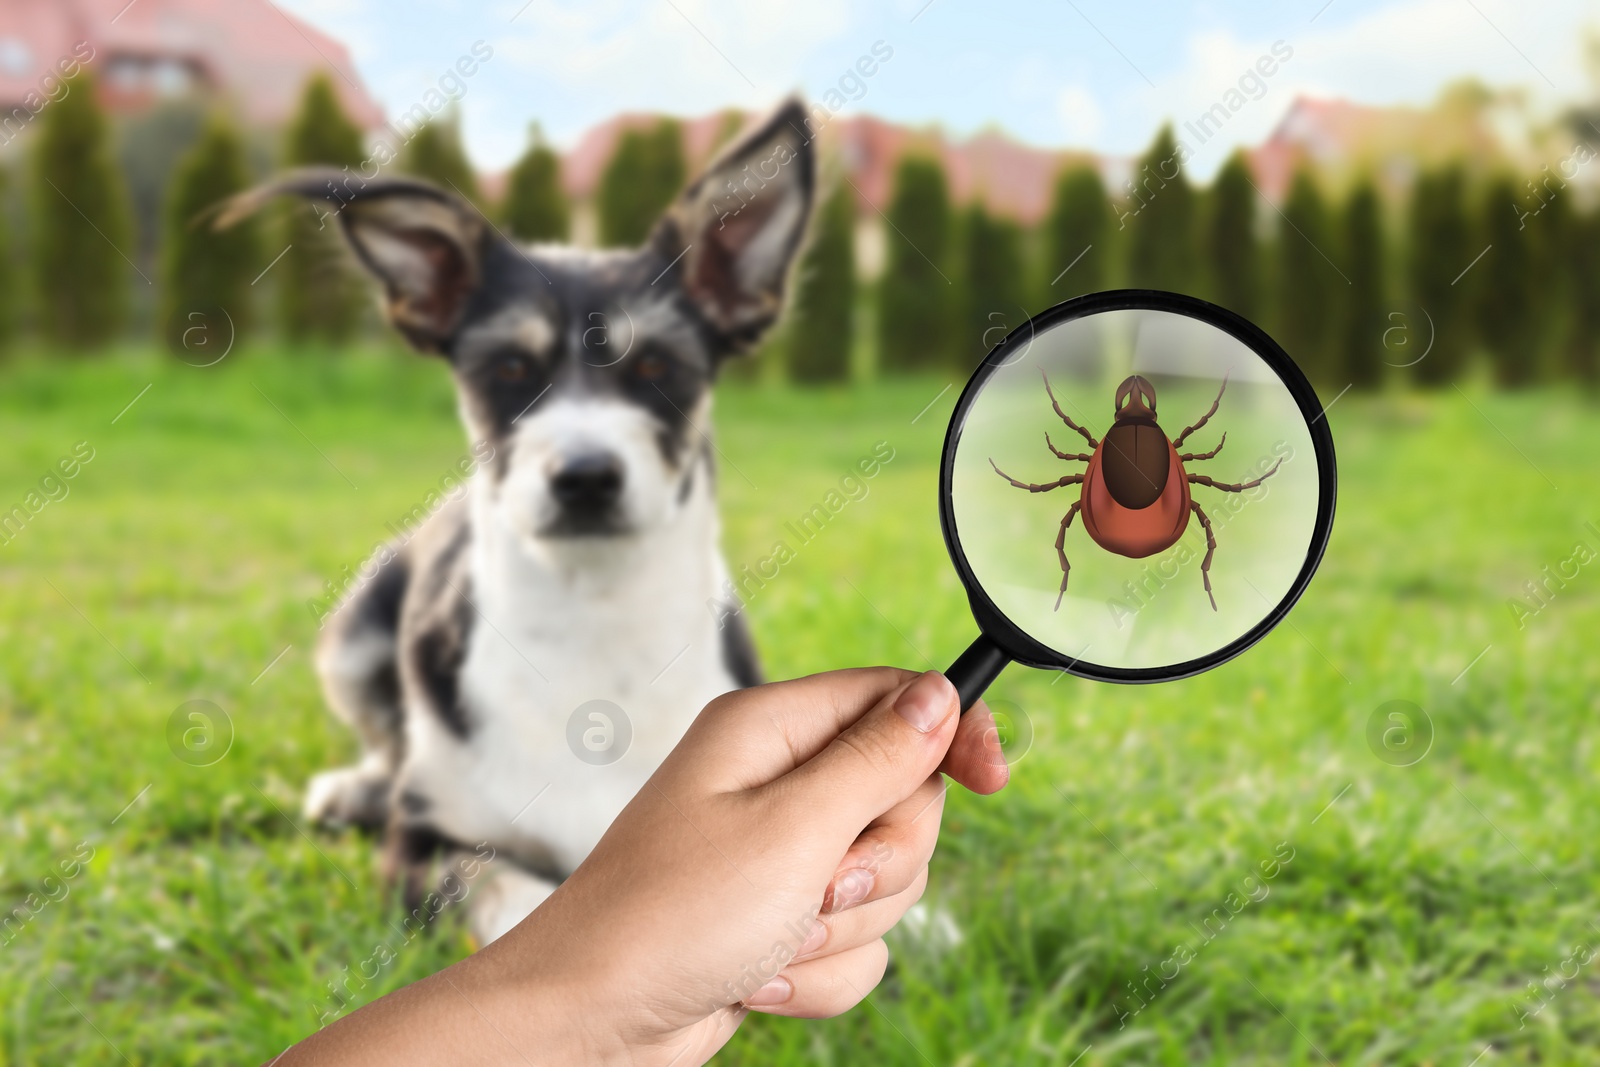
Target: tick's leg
[
  {"x": 1188, "y": 457},
  {"x": 1211, "y": 548},
  {"x": 1234, "y": 487},
  {"x": 1071, "y": 479},
  {"x": 1061, "y": 549},
  {"x": 1057, "y": 405},
  {"x": 1082, "y": 457},
  {"x": 1178, "y": 443}
]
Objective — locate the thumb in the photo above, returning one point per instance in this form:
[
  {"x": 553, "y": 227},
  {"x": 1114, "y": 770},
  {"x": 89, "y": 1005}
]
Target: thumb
[{"x": 881, "y": 758}]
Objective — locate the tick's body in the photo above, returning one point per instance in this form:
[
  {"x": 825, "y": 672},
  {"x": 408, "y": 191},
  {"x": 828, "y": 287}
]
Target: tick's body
[
  {"x": 1135, "y": 495},
  {"x": 1135, "y": 498}
]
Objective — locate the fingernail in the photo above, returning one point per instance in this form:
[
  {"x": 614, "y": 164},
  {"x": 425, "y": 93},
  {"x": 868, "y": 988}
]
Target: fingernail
[
  {"x": 774, "y": 992},
  {"x": 848, "y": 890},
  {"x": 814, "y": 940},
  {"x": 926, "y": 701}
]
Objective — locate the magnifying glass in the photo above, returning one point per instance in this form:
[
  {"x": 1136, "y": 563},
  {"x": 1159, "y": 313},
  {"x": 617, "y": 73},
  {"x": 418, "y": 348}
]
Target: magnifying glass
[{"x": 1136, "y": 487}]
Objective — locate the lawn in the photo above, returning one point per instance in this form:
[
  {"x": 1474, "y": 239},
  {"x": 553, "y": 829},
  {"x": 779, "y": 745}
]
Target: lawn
[{"x": 1221, "y": 870}]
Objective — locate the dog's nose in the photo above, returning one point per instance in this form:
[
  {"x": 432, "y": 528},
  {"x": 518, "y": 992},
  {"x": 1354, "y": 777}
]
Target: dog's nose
[{"x": 586, "y": 482}]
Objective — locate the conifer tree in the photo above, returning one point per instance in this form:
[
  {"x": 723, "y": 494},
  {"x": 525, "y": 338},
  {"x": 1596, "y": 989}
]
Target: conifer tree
[
  {"x": 1440, "y": 248},
  {"x": 1159, "y": 215},
  {"x": 822, "y": 325},
  {"x": 1077, "y": 233},
  {"x": 83, "y": 233},
  {"x": 1361, "y": 332},
  {"x": 434, "y": 152},
  {"x": 645, "y": 173},
  {"x": 204, "y": 269},
  {"x": 1503, "y": 290},
  {"x": 916, "y": 293},
  {"x": 9, "y": 282},
  {"x": 1232, "y": 248},
  {"x": 668, "y": 168},
  {"x": 320, "y": 296},
  {"x": 1554, "y": 270},
  {"x": 536, "y": 205},
  {"x": 1581, "y": 351},
  {"x": 990, "y": 281},
  {"x": 1310, "y": 297}
]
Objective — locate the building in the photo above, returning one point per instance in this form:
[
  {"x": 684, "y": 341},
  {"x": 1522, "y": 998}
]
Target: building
[
  {"x": 1341, "y": 139},
  {"x": 247, "y": 52},
  {"x": 1010, "y": 178}
]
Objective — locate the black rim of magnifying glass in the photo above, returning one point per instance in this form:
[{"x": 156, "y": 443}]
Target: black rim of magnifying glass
[{"x": 1010, "y": 638}]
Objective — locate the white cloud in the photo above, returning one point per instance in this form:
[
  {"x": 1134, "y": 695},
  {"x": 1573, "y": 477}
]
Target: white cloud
[
  {"x": 1035, "y": 68},
  {"x": 683, "y": 55},
  {"x": 1400, "y": 54},
  {"x": 1081, "y": 117}
]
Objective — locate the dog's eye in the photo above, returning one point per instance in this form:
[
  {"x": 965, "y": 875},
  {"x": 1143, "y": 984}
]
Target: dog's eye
[
  {"x": 651, "y": 366},
  {"x": 511, "y": 369}
]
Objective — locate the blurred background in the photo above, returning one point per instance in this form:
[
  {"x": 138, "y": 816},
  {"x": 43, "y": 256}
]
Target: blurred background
[{"x": 206, "y": 434}]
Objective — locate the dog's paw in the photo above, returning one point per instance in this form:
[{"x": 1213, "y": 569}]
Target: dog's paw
[{"x": 349, "y": 796}]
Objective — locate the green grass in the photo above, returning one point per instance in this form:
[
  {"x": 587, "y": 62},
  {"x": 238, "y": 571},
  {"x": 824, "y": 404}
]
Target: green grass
[{"x": 207, "y": 928}]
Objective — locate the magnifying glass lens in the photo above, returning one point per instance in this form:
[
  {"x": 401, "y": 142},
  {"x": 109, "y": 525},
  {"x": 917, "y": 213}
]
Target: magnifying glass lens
[{"x": 1137, "y": 486}]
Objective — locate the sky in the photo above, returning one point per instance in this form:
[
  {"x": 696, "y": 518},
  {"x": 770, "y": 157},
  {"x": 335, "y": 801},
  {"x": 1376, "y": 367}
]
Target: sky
[{"x": 1096, "y": 74}]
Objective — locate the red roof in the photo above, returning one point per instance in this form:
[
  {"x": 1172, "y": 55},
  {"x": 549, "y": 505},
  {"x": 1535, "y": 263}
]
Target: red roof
[
  {"x": 1340, "y": 138},
  {"x": 1315, "y": 130},
  {"x": 1011, "y": 178},
  {"x": 247, "y": 50}
]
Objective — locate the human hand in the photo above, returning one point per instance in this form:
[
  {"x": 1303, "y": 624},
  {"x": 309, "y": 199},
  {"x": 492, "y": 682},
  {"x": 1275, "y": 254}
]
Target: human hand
[{"x": 758, "y": 869}]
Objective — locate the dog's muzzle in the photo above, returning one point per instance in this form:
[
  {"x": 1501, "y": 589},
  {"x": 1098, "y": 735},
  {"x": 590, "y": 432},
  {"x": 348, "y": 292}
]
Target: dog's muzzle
[{"x": 587, "y": 489}]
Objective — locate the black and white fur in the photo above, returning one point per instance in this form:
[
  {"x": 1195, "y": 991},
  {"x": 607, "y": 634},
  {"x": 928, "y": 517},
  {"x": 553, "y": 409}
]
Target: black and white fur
[{"x": 583, "y": 563}]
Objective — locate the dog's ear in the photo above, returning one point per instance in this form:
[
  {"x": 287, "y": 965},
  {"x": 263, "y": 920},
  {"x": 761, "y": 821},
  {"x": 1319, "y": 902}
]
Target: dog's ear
[
  {"x": 425, "y": 245},
  {"x": 737, "y": 227}
]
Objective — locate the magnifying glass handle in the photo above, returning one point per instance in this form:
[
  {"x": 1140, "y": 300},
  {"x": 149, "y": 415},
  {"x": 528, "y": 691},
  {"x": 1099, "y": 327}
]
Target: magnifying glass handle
[{"x": 975, "y": 669}]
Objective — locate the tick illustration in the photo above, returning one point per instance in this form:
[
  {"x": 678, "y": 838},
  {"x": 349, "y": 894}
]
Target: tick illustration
[{"x": 1135, "y": 498}]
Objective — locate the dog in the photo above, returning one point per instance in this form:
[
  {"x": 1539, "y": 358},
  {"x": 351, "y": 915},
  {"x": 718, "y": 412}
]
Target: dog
[{"x": 575, "y": 597}]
